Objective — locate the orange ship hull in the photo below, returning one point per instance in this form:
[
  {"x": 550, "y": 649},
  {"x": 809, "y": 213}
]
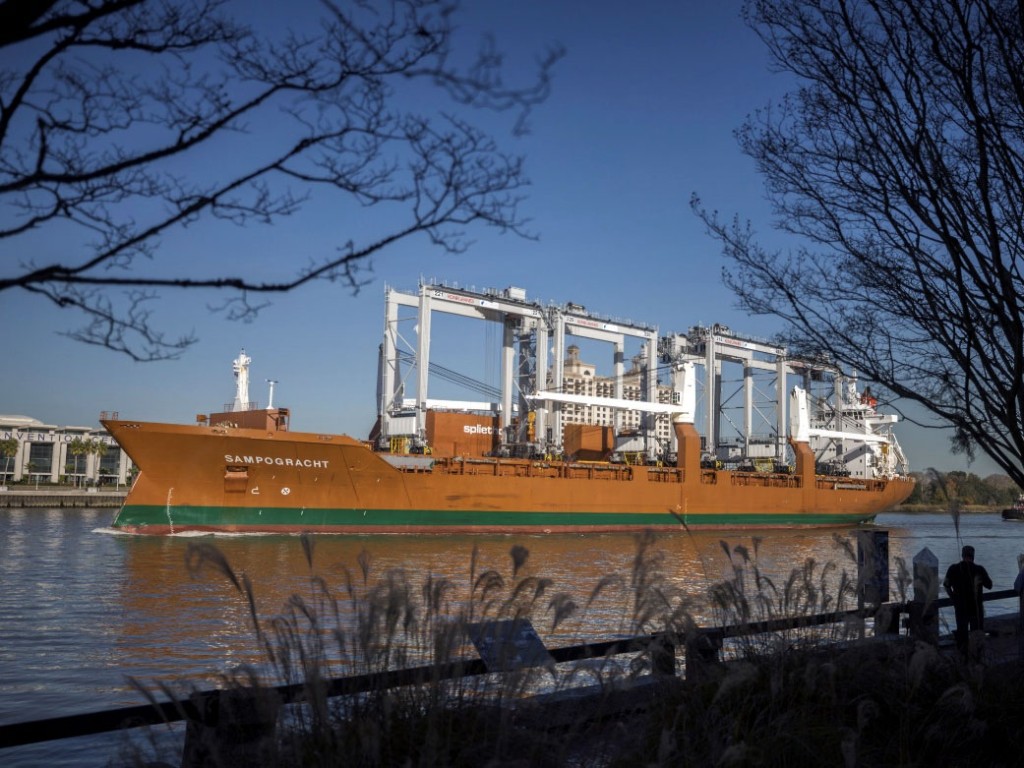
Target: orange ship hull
[{"x": 229, "y": 479}]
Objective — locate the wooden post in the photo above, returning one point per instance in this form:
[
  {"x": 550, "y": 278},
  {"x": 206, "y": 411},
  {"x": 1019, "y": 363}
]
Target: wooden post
[
  {"x": 873, "y": 567},
  {"x": 702, "y": 649},
  {"x": 236, "y": 727},
  {"x": 663, "y": 656},
  {"x": 873, "y": 578},
  {"x": 887, "y": 620},
  {"x": 924, "y": 616}
]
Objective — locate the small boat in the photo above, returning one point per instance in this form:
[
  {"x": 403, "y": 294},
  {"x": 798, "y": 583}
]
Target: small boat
[{"x": 1016, "y": 512}]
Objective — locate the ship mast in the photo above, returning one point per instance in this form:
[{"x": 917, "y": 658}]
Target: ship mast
[{"x": 270, "y": 398}]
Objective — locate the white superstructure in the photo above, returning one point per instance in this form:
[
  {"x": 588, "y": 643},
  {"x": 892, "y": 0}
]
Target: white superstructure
[{"x": 240, "y": 366}]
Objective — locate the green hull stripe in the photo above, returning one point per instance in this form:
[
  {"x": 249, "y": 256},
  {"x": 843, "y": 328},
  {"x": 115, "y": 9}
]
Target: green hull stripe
[{"x": 139, "y": 516}]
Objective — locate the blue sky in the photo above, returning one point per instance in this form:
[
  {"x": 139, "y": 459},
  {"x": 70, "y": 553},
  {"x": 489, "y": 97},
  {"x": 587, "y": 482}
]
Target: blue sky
[{"x": 641, "y": 116}]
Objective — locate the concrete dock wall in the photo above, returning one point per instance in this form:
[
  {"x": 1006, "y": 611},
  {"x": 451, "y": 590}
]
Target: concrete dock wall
[{"x": 70, "y": 497}]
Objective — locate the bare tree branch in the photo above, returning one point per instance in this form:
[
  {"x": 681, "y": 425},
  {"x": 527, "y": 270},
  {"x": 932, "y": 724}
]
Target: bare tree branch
[
  {"x": 899, "y": 164},
  {"x": 113, "y": 104}
]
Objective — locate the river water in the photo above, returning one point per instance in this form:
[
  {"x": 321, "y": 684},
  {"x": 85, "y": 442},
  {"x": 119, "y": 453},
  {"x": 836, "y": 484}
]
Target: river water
[{"x": 83, "y": 609}]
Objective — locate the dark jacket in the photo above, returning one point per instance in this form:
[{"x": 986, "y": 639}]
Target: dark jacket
[{"x": 964, "y": 581}]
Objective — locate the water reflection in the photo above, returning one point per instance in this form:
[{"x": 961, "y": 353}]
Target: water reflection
[
  {"x": 172, "y": 620},
  {"x": 81, "y": 610}
]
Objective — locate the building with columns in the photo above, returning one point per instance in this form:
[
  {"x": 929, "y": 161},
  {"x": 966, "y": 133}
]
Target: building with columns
[{"x": 51, "y": 454}]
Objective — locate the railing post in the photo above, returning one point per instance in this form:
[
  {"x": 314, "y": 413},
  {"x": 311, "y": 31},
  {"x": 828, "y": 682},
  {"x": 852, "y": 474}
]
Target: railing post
[
  {"x": 702, "y": 647},
  {"x": 887, "y": 619},
  {"x": 873, "y": 567},
  {"x": 873, "y": 576},
  {"x": 663, "y": 656},
  {"x": 924, "y": 616},
  {"x": 235, "y": 727}
]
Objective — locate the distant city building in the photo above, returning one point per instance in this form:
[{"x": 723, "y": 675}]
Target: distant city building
[
  {"x": 47, "y": 453},
  {"x": 579, "y": 378}
]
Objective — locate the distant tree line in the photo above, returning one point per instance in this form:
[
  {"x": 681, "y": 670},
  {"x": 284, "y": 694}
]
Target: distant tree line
[{"x": 941, "y": 488}]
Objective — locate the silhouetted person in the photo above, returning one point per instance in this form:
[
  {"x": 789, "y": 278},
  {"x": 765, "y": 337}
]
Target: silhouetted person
[{"x": 964, "y": 582}]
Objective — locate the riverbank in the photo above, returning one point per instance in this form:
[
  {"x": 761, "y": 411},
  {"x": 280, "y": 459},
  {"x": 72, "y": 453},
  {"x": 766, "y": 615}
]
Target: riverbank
[
  {"x": 13, "y": 497},
  {"x": 932, "y": 509}
]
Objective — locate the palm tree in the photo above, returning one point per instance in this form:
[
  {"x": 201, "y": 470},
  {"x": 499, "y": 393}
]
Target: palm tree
[
  {"x": 78, "y": 447},
  {"x": 8, "y": 449},
  {"x": 99, "y": 449}
]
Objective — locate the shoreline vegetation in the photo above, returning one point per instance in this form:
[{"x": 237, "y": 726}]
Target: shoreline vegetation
[
  {"x": 935, "y": 509},
  {"x": 827, "y": 696}
]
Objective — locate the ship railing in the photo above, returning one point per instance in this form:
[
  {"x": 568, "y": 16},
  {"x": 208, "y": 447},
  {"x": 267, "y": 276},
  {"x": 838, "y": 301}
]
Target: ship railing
[
  {"x": 749, "y": 479},
  {"x": 709, "y": 476},
  {"x": 665, "y": 475},
  {"x": 459, "y": 465},
  {"x": 582, "y": 470},
  {"x": 850, "y": 484},
  {"x": 205, "y": 711},
  {"x": 252, "y": 405},
  {"x": 765, "y": 479}
]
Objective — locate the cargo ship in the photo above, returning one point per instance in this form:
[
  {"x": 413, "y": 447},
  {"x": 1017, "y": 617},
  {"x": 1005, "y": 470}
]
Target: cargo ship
[{"x": 557, "y": 448}]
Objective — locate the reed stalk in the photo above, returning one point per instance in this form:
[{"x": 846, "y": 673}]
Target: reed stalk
[{"x": 792, "y": 698}]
